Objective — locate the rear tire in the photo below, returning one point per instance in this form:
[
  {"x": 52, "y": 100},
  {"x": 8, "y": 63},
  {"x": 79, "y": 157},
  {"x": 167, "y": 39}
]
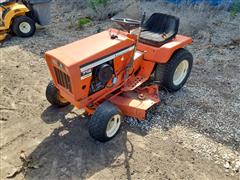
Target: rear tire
[
  {"x": 105, "y": 122},
  {"x": 53, "y": 96},
  {"x": 174, "y": 74},
  {"x": 23, "y": 26}
]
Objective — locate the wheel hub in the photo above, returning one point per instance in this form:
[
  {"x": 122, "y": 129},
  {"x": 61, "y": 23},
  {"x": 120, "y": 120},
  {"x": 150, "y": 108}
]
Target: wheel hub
[
  {"x": 113, "y": 125},
  {"x": 180, "y": 72},
  {"x": 25, "y": 27}
]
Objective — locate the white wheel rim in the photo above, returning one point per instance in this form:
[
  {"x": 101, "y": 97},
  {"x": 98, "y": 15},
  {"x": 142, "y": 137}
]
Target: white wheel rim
[
  {"x": 113, "y": 125},
  {"x": 25, "y": 27},
  {"x": 180, "y": 72}
]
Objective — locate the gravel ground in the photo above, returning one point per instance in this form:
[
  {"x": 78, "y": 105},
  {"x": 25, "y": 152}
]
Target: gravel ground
[
  {"x": 214, "y": 84},
  {"x": 192, "y": 134}
]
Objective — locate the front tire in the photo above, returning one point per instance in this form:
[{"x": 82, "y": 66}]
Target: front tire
[
  {"x": 23, "y": 26},
  {"x": 54, "y": 97},
  {"x": 105, "y": 122},
  {"x": 174, "y": 74}
]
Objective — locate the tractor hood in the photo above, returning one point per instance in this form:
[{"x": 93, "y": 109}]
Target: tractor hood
[{"x": 89, "y": 50}]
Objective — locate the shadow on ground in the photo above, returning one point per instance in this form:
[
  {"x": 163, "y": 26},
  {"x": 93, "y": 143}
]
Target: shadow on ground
[{"x": 69, "y": 152}]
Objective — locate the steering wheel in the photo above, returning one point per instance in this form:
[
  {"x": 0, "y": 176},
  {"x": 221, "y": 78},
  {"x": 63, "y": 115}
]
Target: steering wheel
[
  {"x": 126, "y": 20},
  {"x": 126, "y": 23}
]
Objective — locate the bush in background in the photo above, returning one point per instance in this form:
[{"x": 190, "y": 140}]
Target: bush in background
[
  {"x": 235, "y": 8},
  {"x": 94, "y": 4},
  {"x": 83, "y": 21},
  {"x": 100, "y": 8}
]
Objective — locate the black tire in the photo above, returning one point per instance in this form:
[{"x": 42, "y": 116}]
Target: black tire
[
  {"x": 16, "y": 26},
  {"x": 164, "y": 73},
  {"x": 53, "y": 96},
  {"x": 100, "y": 119}
]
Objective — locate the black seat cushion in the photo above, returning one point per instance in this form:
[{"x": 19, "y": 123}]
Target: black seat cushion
[{"x": 159, "y": 29}]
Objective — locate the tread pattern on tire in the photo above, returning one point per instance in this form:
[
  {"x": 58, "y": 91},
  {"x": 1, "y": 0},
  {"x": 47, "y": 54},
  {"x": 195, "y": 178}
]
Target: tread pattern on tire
[
  {"x": 98, "y": 123},
  {"x": 20, "y": 19},
  {"x": 164, "y": 72}
]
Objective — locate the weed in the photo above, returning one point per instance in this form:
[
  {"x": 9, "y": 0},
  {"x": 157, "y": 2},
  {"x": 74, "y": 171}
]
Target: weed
[
  {"x": 235, "y": 8},
  {"x": 94, "y": 4},
  {"x": 100, "y": 8},
  {"x": 83, "y": 21}
]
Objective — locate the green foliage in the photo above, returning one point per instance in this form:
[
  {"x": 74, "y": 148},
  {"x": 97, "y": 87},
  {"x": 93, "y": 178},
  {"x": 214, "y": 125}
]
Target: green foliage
[
  {"x": 235, "y": 8},
  {"x": 83, "y": 21},
  {"x": 94, "y": 4},
  {"x": 78, "y": 23}
]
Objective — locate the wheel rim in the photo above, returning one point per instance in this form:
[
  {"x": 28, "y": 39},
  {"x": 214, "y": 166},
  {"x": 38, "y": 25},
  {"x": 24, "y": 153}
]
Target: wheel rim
[
  {"x": 24, "y": 27},
  {"x": 113, "y": 125},
  {"x": 62, "y": 99},
  {"x": 180, "y": 72}
]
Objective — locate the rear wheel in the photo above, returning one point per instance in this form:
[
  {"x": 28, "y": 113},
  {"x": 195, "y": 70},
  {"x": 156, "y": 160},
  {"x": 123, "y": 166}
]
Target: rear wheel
[
  {"x": 54, "y": 97},
  {"x": 23, "y": 26},
  {"x": 174, "y": 74},
  {"x": 105, "y": 122}
]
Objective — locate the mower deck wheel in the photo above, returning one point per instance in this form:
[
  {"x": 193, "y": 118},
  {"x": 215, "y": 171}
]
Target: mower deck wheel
[
  {"x": 105, "y": 122},
  {"x": 23, "y": 26},
  {"x": 54, "y": 97},
  {"x": 174, "y": 74}
]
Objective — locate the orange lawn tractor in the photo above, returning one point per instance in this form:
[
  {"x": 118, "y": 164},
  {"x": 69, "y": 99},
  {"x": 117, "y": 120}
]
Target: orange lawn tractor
[{"x": 118, "y": 73}]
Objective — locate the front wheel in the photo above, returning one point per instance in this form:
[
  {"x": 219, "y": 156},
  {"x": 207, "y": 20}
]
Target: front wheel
[
  {"x": 105, "y": 122},
  {"x": 54, "y": 97},
  {"x": 23, "y": 26},
  {"x": 174, "y": 74}
]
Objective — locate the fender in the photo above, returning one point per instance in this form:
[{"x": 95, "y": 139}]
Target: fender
[
  {"x": 15, "y": 10},
  {"x": 163, "y": 53}
]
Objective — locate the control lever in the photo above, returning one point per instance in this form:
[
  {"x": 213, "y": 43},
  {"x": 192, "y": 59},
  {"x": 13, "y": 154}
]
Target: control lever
[{"x": 135, "y": 47}]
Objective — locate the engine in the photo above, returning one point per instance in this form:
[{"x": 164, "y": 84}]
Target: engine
[{"x": 101, "y": 75}]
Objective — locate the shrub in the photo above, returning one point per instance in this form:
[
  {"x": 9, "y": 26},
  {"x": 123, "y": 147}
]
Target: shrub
[
  {"x": 235, "y": 8},
  {"x": 78, "y": 23},
  {"x": 94, "y": 4},
  {"x": 83, "y": 21},
  {"x": 100, "y": 8}
]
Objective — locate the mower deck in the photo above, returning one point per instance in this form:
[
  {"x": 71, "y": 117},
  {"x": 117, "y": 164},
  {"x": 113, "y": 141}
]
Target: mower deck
[{"x": 136, "y": 103}]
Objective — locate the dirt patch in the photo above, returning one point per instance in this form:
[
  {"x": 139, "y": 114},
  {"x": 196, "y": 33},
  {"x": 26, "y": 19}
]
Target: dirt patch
[{"x": 192, "y": 134}]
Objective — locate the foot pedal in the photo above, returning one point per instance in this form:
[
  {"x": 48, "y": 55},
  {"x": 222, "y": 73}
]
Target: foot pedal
[{"x": 133, "y": 83}]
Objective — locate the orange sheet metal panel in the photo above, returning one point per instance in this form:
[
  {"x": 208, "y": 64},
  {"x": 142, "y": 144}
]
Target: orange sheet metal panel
[
  {"x": 119, "y": 66},
  {"x": 130, "y": 107},
  {"x": 89, "y": 49},
  {"x": 84, "y": 52},
  {"x": 163, "y": 53},
  {"x": 136, "y": 103}
]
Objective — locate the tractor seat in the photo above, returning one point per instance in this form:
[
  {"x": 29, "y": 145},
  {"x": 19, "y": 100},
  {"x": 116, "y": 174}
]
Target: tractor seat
[
  {"x": 6, "y": 2},
  {"x": 159, "y": 29}
]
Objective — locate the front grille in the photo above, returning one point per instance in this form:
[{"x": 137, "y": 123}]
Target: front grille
[{"x": 63, "y": 79}]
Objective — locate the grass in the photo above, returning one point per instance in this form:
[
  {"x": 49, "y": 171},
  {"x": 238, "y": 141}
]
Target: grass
[
  {"x": 100, "y": 8},
  {"x": 83, "y": 21},
  {"x": 235, "y": 8},
  {"x": 78, "y": 23},
  {"x": 94, "y": 4}
]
